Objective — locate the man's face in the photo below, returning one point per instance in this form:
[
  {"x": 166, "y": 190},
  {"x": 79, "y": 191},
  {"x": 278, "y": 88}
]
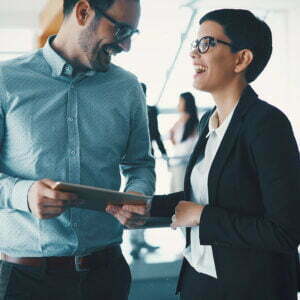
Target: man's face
[{"x": 98, "y": 41}]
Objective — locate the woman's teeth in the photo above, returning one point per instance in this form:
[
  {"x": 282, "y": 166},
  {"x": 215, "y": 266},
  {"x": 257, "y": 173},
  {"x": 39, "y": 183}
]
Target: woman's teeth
[{"x": 200, "y": 69}]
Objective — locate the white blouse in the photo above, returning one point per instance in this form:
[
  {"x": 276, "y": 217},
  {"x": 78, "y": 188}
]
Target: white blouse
[
  {"x": 200, "y": 257},
  {"x": 182, "y": 150}
]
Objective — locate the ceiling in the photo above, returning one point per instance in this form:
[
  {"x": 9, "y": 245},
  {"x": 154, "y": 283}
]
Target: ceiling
[
  {"x": 16, "y": 13},
  {"x": 12, "y": 6}
]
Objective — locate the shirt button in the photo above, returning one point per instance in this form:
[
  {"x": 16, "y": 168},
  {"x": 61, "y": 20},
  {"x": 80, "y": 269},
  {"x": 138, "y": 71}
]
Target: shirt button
[
  {"x": 68, "y": 69},
  {"x": 70, "y": 119},
  {"x": 72, "y": 152}
]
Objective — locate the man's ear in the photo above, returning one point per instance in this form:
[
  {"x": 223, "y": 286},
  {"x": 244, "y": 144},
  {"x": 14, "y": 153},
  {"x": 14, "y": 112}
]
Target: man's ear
[
  {"x": 243, "y": 60},
  {"x": 82, "y": 11}
]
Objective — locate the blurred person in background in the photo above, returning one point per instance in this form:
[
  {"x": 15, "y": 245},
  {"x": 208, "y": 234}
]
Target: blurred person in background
[
  {"x": 183, "y": 136},
  {"x": 137, "y": 237},
  {"x": 153, "y": 127}
]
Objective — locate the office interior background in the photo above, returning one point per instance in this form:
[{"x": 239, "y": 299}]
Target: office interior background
[{"x": 160, "y": 58}]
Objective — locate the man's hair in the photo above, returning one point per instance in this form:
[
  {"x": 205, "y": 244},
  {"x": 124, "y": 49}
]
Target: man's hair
[
  {"x": 101, "y": 4},
  {"x": 245, "y": 31}
]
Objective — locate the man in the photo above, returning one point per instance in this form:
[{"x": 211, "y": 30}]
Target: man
[{"x": 67, "y": 114}]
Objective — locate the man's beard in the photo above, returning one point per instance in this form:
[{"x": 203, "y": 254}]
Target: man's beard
[{"x": 99, "y": 56}]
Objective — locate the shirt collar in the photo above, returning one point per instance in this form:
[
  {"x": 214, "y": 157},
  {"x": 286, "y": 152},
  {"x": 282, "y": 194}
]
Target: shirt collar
[
  {"x": 214, "y": 122},
  {"x": 59, "y": 66}
]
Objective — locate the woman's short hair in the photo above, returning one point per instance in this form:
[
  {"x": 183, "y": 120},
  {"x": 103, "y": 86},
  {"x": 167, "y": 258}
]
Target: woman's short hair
[{"x": 245, "y": 31}]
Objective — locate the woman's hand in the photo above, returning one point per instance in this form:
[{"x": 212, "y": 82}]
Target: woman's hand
[
  {"x": 130, "y": 215},
  {"x": 187, "y": 214}
]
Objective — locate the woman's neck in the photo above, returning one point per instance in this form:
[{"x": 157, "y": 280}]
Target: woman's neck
[
  {"x": 226, "y": 100},
  {"x": 184, "y": 117}
]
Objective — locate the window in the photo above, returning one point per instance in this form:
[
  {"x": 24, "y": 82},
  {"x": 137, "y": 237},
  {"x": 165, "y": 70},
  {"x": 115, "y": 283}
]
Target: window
[{"x": 15, "y": 42}]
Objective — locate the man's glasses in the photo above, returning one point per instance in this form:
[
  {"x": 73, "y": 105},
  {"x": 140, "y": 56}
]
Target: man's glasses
[
  {"x": 204, "y": 43},
  {"x": 123, "y": 31}
]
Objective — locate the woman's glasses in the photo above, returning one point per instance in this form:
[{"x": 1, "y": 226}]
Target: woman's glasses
[{"x": 204, "y": 43}]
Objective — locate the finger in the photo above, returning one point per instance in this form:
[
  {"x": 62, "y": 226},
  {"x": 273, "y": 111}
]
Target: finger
[
  {"x": 115, "y": 212},
  {"x": 51, "y": 210},
  {"x": 48, "y": 202},
  {"x": 123, "y": 220},
  {"x": 64, "y": 196},
  {"x": 111, "y": 207},
  {"x": 130, "y": 220},
  {"x": 138, "y": 209},
  {"x": 49, "y": 216},
  {"x": 125, "y": 213},
  {"x": 49, "y": 183}
]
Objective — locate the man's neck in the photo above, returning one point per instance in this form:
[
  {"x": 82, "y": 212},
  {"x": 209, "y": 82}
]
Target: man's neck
[{"x": 65, "y": 47}]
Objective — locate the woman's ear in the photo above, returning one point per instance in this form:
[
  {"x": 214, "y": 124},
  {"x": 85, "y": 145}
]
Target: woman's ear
[{"x": 243, "y": 60}]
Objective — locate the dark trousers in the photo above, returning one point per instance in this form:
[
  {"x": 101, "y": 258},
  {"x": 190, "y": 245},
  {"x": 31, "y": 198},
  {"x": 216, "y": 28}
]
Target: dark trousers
[
  {"x": 108, "y": 282},
  {"x": 199, "y": 286}
]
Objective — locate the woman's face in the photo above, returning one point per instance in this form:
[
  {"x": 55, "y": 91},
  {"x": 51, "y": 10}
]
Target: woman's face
[
  {"x": 214, "y": 70},
  {"x": 181, "y": 105}
]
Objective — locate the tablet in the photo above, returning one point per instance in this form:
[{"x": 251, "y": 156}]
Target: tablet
[{"x": 98, "y": 198}]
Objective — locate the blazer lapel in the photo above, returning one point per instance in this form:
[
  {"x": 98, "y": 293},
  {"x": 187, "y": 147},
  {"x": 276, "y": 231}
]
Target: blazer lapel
[
  {"x": 197, "y": 153},
  {"x": 248, "y": 98}
]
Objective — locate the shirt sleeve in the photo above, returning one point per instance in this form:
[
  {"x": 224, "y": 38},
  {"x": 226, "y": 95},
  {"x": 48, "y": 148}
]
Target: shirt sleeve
[
  {"x": 13, "y": 190},
  {"x": 137, "y": 164}
]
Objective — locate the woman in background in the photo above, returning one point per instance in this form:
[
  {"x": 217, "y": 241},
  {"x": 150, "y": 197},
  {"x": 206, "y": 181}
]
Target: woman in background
[{"x": 183, "y": 136}]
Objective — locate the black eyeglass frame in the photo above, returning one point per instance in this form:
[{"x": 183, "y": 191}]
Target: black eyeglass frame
[
  {"x": 212, "y": 42},
  {"x": 119, "y": 26}
]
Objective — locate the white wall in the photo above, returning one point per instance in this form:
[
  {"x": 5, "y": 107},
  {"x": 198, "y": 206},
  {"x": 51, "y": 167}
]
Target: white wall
[
  {"x": 162, "y": 24},
  {"x": 16, "y": 13}
]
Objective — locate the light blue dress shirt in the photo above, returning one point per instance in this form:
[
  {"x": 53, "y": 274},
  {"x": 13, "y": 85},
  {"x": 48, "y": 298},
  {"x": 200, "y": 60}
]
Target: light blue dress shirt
[{"x": 75, "y": 128}]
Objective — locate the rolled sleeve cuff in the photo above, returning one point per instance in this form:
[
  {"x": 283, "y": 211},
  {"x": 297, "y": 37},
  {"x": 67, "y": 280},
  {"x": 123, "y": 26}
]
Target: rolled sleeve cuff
[
  {"x": 19, "y": 194},
  {"x": 139, "y": 188}
]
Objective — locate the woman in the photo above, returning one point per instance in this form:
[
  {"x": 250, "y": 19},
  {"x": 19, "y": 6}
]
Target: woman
[
  {"x": 183, "y": 136},
  {"x": 241, "y": 198}
]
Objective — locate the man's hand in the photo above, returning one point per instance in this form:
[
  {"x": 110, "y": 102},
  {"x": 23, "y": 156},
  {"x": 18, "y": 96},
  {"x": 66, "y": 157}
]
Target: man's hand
[
  {"x": 130, "y": 215},
  {"x": 187, "y": 214},
  {"x": 46, "y": 203}
]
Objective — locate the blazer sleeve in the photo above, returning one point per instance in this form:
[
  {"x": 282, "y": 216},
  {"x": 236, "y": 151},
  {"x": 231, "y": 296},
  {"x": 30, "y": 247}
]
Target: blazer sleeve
[
  {"x": 276, "y": 157},
  {"x": 164, "y": 205}
]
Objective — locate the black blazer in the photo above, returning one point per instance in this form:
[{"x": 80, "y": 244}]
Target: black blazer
[{"x": 252, "y": 221}]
